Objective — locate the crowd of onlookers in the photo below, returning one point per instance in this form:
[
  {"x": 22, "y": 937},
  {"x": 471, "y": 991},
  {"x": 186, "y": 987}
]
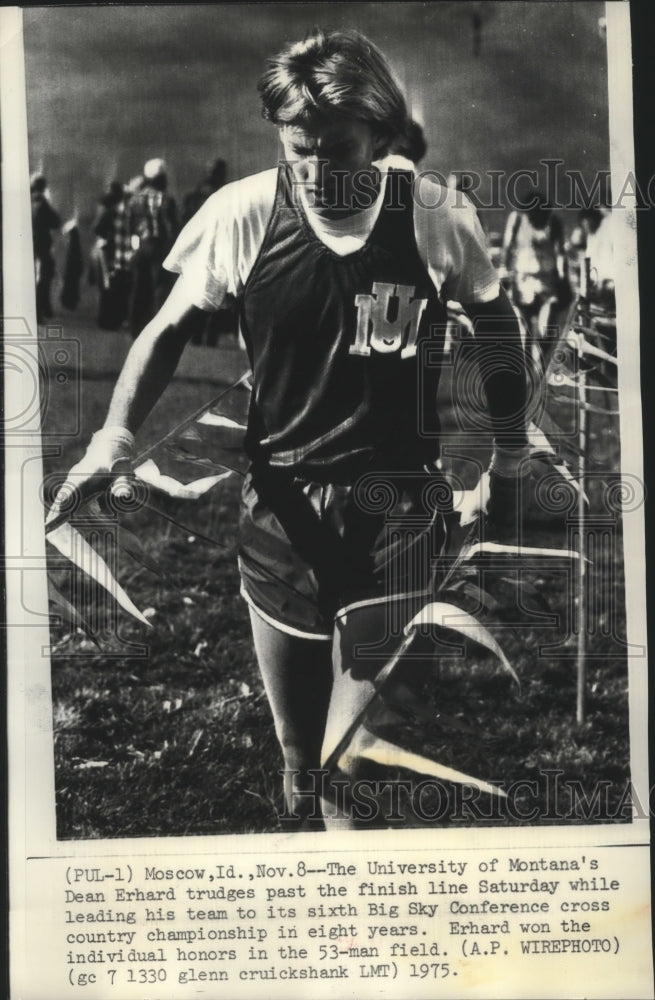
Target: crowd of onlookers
[
  {"x": 134, "y": 228},
  {"x": 543, "y": 271},
  {"x": 137, "y": 223}
]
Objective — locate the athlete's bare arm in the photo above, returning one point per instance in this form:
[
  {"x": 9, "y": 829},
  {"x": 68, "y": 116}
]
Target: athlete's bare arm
[
  {"x": 502, "y": 366},
  {"x": 148, "y": 369},
  {"x": 152, "y": 361}
]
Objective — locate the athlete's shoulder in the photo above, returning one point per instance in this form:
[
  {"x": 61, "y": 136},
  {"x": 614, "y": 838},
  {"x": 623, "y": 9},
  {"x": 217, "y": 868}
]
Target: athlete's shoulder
[
  {"x": 451, "y": 241},
  {"x": 443, "y": 213},
  {"x": 432, "y": 192},
  {"x": 249, "y": 196}
]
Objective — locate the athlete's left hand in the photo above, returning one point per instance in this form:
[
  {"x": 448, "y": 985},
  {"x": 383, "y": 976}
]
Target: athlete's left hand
[{"x": 502, "y": 496}]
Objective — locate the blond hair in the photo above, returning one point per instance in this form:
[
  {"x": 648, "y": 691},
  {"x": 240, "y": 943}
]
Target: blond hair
[{"x": 328, "y": 72}]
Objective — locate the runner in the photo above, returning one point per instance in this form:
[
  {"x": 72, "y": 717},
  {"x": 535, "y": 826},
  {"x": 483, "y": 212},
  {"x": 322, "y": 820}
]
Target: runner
[{"x": 340, "y": 269}]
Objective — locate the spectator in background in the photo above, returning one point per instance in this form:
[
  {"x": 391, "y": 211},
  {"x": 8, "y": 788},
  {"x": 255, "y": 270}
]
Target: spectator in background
[
  {"x": 133, "y": 185},
  {"x": 592, "y": 238},
  {"x": 533, "y": 249},
  {"x": 44, "y": 220},
  {"x": 592, "y": 241},
  {"x": 112, "y": 256},
  {"x": 214, "y": 180},
  {"x": 153, "y": 229},
  {"x": 73, "y": 267}
]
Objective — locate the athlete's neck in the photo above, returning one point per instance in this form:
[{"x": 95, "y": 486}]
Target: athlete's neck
[{"x": 356, "y": 194}]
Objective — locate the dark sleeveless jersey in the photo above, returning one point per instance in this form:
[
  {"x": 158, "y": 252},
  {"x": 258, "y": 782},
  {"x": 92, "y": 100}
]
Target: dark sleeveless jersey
[{"x": 345, "y": 350}]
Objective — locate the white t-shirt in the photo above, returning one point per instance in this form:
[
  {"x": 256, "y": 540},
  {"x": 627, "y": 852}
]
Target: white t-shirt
[{"x": 217, "y": 248}]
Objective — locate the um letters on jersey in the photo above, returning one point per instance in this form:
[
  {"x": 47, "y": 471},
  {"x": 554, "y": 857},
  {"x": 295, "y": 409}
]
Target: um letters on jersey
[{"x": 388, "y": 320}]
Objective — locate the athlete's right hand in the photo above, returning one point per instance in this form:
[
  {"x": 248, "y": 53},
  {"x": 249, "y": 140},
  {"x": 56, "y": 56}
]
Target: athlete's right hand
[{"x": 108, "y": 458}]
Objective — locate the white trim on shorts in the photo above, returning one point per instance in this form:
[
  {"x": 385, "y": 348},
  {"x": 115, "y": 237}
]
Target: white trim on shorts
[
  {"x": 341, "y": 613},
  {"x": 289, "y": 629},
  {"x": 386, "y": 599}
]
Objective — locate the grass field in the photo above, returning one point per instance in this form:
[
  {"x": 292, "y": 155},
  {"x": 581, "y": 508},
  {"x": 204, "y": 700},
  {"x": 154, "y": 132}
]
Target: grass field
[{"x": 180, "y": 740}]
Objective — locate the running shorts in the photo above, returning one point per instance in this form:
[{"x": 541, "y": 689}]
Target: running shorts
[{"x": 311, "y": 550}]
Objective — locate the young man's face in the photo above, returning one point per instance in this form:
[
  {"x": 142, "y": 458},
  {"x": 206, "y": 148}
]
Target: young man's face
[{"x": 332, "y": 159}]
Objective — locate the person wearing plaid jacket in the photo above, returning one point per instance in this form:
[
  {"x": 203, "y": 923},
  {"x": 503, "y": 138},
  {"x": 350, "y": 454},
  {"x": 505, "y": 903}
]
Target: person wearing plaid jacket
[
  {"x": 112, "y": 257},
  {"x": 153, "y": 228}
]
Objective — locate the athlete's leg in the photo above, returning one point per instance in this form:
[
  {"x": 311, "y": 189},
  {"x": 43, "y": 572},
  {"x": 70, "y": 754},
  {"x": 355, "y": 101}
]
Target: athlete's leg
[
  {"x": 367, "y": 639},
  {"x": 297, "y": 675}
]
